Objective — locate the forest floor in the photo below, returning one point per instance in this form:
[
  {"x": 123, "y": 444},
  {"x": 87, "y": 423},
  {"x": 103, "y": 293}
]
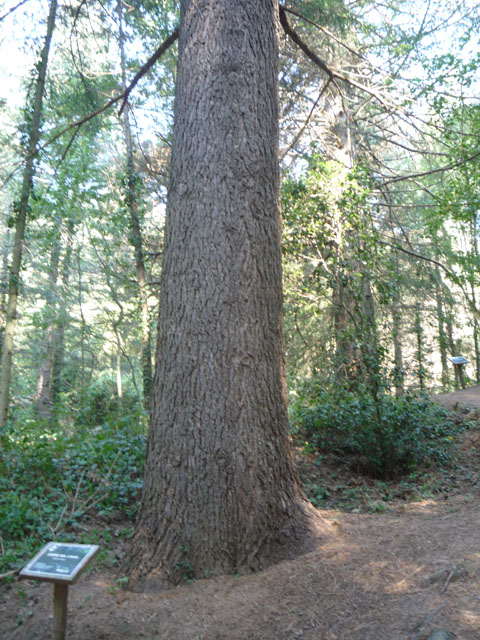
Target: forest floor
[
  {"x": 467, "y": 400},
  {"x": 396, "y": 561}
]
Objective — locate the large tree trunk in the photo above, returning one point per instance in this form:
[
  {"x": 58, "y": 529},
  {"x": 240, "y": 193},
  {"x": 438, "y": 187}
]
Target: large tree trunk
[
  {"x": 21, "y": 219},
  {"x": 220, "y": 493}
]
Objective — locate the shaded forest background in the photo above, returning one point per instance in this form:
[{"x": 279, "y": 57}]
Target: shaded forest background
[{"x": 379, "y": 155}]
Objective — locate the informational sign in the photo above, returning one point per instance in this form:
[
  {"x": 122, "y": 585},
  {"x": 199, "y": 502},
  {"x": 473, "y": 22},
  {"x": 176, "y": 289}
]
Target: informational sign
[
  {"x": 60, "y": 562},
  {"x": 458, "y": 360}
]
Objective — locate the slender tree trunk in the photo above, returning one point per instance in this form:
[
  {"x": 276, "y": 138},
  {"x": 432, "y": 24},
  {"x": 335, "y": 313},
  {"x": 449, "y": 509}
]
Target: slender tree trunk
[
  {"x": 346, "y": 356},
  {"x": 395, "y": 268},
  {"x": 119, "y": 372},
  {"x": 118, "y": 357},
  {"x": 83, "y": 325},
  {"x": 398, "y": 352},
  {"x": 398, "y": 367},
  {"x": 399, "y": 372},
  {"x": 220, "y": 492},
  {"x": 136, "y": 236},
  {"x": 442, "y": 335},
  {"x": 476, "y": 341},
  {"x": 451, "y": 344},
  {"x": 4, "y": 287},
  {"x": 419, "y": 339},
  {"x": 43, "y": 396},
  {"x": 116, "y": 326},
  {"x": 59, "y": 342},
  {"x": 20, "y": 222},
  {"x": 369, "y": 341},
  {"x": 354, "y": 315}
]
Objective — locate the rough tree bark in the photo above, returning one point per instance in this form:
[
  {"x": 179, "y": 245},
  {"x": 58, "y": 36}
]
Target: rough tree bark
[{"x": 220, "y": 492}]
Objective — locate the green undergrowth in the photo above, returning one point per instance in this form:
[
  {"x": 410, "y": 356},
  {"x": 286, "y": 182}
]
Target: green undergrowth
[
  {"x": 51, "y": 481},
  {"x": 84, "y": 485},
  {"x": 336, "y": 489},
  {"x": 384, "y": 439}
]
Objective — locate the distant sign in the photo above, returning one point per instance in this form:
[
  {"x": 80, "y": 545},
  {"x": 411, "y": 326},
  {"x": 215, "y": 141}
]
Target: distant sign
[
  {"x": 458, "y": 360},
  {"x": 60, "y": 562}
]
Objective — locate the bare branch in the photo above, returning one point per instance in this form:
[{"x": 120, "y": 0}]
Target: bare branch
[
  {"x": 148, "y": 65},
  {"x": 333, "y": 74},
  {"x": 439, "y": 264},
  {"x": 8, "y": 573},
  {"x": 421, "y": 174},
  {"x": 305, "y": 124},
  {"x": 75, "y": 125},
  {"x": 122, "y": 96},
  {"x": 293, "y": 35},
  {"x": 5, "y": 15},
  {"x": 332, "y": 36}
]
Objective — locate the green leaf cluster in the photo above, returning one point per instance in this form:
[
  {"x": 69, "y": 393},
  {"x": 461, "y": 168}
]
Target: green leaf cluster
[{"x": 385, "y": 439}]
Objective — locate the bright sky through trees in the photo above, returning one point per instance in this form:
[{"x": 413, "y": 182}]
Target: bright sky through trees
[{"x": 19, "y": 40}]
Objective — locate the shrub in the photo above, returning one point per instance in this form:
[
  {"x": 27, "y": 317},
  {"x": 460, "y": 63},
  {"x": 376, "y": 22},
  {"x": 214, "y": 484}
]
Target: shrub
[
  {"x": 103, "y": 468},
  {"x": 385, "y": 439},
  {"x": 101, "y": 404},
  {"x": 49, "y": 480}
]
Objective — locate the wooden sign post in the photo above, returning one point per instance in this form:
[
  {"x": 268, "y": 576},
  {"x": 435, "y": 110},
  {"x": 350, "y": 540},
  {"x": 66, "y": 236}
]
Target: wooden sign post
[
  {"x": 61, "y": 563},
  {"x": 459, "y": 362}
]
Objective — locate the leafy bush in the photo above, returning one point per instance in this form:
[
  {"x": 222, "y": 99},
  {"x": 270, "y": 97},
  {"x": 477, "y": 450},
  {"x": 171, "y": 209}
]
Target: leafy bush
[
  {"x": 102, "y": 405},
  {"x": 50, "y": 480},
  {"x": 385, "y": 439},
  {"x": 103, "y": 470}
]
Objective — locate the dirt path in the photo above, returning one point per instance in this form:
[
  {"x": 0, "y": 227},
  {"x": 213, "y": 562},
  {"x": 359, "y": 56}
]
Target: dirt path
[
  {"x": 394, "y": 576},
  {"x": 466, "y": 399}
]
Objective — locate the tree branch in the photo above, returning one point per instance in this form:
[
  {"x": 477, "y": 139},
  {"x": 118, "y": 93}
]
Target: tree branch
[
  {"x": 148, "y": 65},
  {"x": 122, "y": 96},
  {"x": 305, "y": 124},
  {"x": 437, "y": 263},
  {"x": 332, "y": 36},
  {"x": 8, "y": 573},
  {"x": 293, "y": 35},
  {"x": 448, "y": 167},
  {"x": 333, "y": 74},
  {"x": 5, "y": 15}
]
